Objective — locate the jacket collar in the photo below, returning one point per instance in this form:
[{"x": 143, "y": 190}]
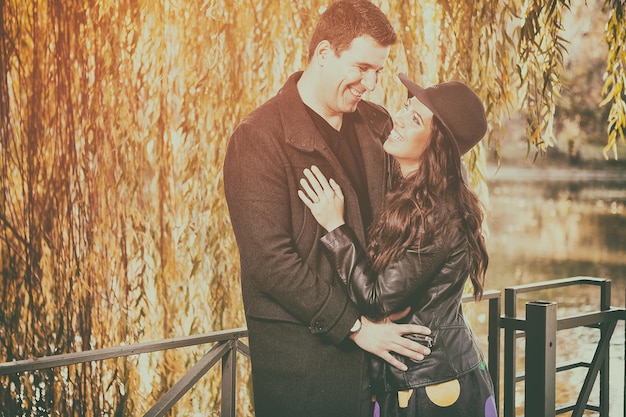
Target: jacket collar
[
  {"x": 301, "y": 133},
  {"x": 300, "y": 130}
]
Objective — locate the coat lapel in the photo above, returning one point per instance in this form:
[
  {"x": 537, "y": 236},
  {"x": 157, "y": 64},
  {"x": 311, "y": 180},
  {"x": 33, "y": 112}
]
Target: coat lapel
[
  {"x": 371, "y": 129},
  {"x": 302, "y": 134}
]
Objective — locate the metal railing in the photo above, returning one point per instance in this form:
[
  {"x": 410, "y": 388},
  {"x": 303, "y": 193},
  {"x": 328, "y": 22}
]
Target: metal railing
[
  {"x": 539, "y": 328},
  {"x": 540, "y": 344},
  {"x": 493, "y": 337},
  {"x": 227, "y": 345}
]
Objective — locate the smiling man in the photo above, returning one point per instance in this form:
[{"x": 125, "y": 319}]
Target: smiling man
[{"x": 307, "y": 339}]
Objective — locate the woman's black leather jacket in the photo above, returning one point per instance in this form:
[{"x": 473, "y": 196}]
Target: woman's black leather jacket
[{"x": 431, "y": 280}]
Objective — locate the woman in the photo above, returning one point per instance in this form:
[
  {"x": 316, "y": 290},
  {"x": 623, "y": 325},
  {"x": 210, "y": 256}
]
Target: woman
[{"x": 424, "y": 245}]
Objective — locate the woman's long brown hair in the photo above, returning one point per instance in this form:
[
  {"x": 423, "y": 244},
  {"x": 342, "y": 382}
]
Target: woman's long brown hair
[{"x": 430, "y": 203}]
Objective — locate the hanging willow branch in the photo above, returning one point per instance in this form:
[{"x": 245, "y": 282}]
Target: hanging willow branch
[
  {"x": 114, "y": 118},
  {"x": 614, "y": 89},
  {"x": 541, "y": 51}
]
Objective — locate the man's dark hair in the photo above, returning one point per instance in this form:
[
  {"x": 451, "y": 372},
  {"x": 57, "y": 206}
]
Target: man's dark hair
[{"x": 345, "y": 20}]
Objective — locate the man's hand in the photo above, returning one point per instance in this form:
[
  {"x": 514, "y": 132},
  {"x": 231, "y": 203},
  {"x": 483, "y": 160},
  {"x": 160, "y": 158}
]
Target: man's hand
[{"x": 382, "y": 338}]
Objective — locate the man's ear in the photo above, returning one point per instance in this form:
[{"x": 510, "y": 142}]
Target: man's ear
[{"x": 323, "y": 51}]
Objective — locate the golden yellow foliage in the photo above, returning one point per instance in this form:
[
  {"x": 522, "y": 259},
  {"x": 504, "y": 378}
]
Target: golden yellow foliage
[{"x": 114, "y": 120}]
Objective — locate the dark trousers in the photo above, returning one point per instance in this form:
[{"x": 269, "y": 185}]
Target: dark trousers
[{"x": 298, "y": 374}]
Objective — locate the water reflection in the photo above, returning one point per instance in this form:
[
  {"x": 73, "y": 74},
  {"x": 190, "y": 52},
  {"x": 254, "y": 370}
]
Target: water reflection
[
  {"x": 550, "y": 224},
  {"x": 542, "y": 227}
]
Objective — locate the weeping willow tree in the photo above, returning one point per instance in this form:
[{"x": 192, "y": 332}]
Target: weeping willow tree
[{"x": 114, "y": 120}]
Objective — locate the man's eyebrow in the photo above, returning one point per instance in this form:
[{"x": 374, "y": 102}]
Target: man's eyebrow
[{"x": 372, "y": 66}]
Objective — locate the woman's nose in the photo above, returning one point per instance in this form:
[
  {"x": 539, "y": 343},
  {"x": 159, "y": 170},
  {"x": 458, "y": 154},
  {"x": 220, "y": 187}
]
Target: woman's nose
[{"x": 397, "y": 118}]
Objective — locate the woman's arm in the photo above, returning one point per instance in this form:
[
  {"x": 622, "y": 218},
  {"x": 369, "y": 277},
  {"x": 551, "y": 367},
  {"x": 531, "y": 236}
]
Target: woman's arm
[{"x": 377, "y": 294}]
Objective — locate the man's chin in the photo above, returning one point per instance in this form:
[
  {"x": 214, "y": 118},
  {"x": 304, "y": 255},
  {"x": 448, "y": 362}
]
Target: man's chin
[{"x": 351, "y": 108}]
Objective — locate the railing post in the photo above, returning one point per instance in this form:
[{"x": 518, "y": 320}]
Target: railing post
[
  {"x": 540, "y": 374},
  {"x": 494, "y": 347},
  {"x": 229, "y": 381},
  {"x": 605, "y": 304},
  {"x": 510, "y": 349}
]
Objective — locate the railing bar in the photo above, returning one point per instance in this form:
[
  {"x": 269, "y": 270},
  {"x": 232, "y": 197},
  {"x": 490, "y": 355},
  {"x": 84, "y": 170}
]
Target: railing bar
[
  {"x": 588, "y": 319},
  {"x": 570, "y": 407},
  {"x": 243, "y": 348},
  {"x": 509, "y": 323},
  {"x": 601, "y": 353},
  {"x": 565, "y": 408},
  {"x": 557, "y": 283},
  {"x": 188, "y": 380},
  {"x": 229, "y": 382},
  {"x": 566, "y": 366},
  {"x": 487, "y": 295},
  {"x": 74, "y": 358}
]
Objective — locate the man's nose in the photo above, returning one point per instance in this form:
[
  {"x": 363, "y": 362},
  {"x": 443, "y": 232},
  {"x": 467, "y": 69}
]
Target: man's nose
[{"x": 369, "y": 80}]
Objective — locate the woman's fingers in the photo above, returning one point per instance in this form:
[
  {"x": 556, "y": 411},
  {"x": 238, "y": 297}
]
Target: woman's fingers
[
  {"x": 317, "y": 181},
  {"x": 313, "y": 180},
  {"x": 317, "y": 187},
  {"x": 305, "y": 199},
  {"x": 310, "y": 193},
  {"x": 319, "y": 176},
  {"x": 336, "y": 188}
]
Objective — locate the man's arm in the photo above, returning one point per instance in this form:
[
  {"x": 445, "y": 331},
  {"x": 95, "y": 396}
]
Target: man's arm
[
  {"x": 257, "y": 187},
  {"x": 325, "y": 199}
]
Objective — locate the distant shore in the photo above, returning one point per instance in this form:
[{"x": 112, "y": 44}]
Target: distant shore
[
  {"x": 516, "y": 163},
  {"x": 554, "y": 173}
]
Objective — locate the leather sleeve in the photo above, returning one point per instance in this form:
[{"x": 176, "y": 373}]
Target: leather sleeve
[{"x": 379, "y": 294}]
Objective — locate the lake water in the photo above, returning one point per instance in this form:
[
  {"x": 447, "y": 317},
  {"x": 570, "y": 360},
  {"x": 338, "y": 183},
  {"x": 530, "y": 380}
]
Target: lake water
[{"x": 547, "y": 224}]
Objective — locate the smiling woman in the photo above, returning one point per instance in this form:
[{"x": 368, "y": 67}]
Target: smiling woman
[
  {"x": 412, "y": 129},
  {"x": 425, "y": 244}
]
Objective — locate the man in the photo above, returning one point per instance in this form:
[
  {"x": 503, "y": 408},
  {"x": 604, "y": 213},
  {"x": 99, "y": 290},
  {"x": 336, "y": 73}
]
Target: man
[{"x": 304, "y": 331}]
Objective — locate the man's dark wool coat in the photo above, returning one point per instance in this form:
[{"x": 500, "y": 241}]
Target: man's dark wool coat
[{"x": 298, "y": 313}]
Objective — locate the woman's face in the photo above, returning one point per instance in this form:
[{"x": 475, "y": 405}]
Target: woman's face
[{"x": 410, "y": 135}]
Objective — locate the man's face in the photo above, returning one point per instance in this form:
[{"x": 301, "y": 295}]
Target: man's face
[{"x": 352, "y": 73}]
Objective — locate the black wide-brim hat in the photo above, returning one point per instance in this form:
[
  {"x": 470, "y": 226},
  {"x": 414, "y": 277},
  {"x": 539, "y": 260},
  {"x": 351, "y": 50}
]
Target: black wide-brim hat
[{"x": 456, "y": 106}]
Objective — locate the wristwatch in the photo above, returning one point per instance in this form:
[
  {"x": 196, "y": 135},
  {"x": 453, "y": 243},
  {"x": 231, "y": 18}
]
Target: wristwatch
[{"x": 356, "y": 327}]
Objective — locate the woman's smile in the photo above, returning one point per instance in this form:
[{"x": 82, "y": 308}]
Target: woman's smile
[{"x": 395, "y": 136}]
